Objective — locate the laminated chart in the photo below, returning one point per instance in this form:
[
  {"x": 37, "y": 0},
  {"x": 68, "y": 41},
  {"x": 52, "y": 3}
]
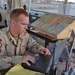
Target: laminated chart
[{"x": 54, "y": 25}]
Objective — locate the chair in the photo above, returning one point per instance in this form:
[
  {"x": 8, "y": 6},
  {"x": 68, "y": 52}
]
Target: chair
[
  {"x": 4, "y": 22},
  {"x": 0, "y": 17}
]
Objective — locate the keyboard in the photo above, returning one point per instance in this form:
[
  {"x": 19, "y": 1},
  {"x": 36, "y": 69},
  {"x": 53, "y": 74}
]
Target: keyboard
[{"x": 41, "y": 63}]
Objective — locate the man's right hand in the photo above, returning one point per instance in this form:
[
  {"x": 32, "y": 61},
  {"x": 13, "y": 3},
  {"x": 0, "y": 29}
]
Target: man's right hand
[{"x": 27, "y": 58}]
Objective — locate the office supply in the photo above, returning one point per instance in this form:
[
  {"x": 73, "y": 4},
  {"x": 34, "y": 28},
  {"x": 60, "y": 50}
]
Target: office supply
[
  {"x": 19, "y": 70},
  {"x": 45, "y": 62}
]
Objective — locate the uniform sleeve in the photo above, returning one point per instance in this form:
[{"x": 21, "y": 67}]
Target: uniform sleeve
[
  {"x": 33, "y": 46},
  {"x": 4, "y": 58}
]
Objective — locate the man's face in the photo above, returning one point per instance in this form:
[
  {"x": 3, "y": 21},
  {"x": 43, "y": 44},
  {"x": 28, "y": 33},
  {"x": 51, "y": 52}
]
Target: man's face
[{"x": 21, "y": 24}]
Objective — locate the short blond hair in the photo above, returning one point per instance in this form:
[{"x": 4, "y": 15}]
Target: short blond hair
[{"x": 17, "y": 12}]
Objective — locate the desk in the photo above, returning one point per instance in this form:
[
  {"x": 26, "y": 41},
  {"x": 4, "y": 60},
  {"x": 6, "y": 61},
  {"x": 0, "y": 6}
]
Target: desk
[{"x": 42, "y": 36}]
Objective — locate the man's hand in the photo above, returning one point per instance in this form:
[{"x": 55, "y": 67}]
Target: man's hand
[
  {"x": 45, "y": 52},
  {"x": 27, "y": 58}
]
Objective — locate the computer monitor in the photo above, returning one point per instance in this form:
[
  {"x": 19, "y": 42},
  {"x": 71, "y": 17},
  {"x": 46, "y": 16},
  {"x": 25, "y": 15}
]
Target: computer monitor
[{"x": 71, "y": 41}]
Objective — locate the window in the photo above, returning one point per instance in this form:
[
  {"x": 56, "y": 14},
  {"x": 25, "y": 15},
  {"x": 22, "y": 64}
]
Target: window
[
  {"x": 73, "y": 1},
  {"x": 50, "y": 6}
]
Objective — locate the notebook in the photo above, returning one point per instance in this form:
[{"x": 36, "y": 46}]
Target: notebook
[{"x": 43, "y": 63}]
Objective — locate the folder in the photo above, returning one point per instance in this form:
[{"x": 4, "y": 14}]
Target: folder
[{"x": 19, "y": 70}]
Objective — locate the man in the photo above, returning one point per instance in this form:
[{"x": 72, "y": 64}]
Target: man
[{"x": 14, "y": 41}]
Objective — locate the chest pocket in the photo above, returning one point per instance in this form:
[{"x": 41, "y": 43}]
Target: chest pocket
[
  {"x": 23, "y": 46},
  {"x": 10, "y": 48}
]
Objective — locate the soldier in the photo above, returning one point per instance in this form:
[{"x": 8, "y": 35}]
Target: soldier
[{"x": 14, "y": 40}]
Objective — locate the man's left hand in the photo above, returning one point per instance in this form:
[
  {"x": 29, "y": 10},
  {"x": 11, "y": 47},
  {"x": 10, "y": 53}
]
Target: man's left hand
[{"x": 45, "y": 52}]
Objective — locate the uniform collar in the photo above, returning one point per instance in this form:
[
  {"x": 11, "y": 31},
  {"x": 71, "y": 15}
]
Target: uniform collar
[
  {"x": 21, "y": 36},
  {"x": 11, "y": 38}
]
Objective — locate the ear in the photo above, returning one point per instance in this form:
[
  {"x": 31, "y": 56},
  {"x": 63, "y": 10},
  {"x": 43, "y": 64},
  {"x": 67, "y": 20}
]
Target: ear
[{"x": 13, "y": 22}]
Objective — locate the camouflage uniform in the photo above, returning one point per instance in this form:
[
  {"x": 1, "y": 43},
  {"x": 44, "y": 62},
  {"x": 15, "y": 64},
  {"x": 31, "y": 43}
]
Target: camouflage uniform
[{"x": 11, "y": 50}]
